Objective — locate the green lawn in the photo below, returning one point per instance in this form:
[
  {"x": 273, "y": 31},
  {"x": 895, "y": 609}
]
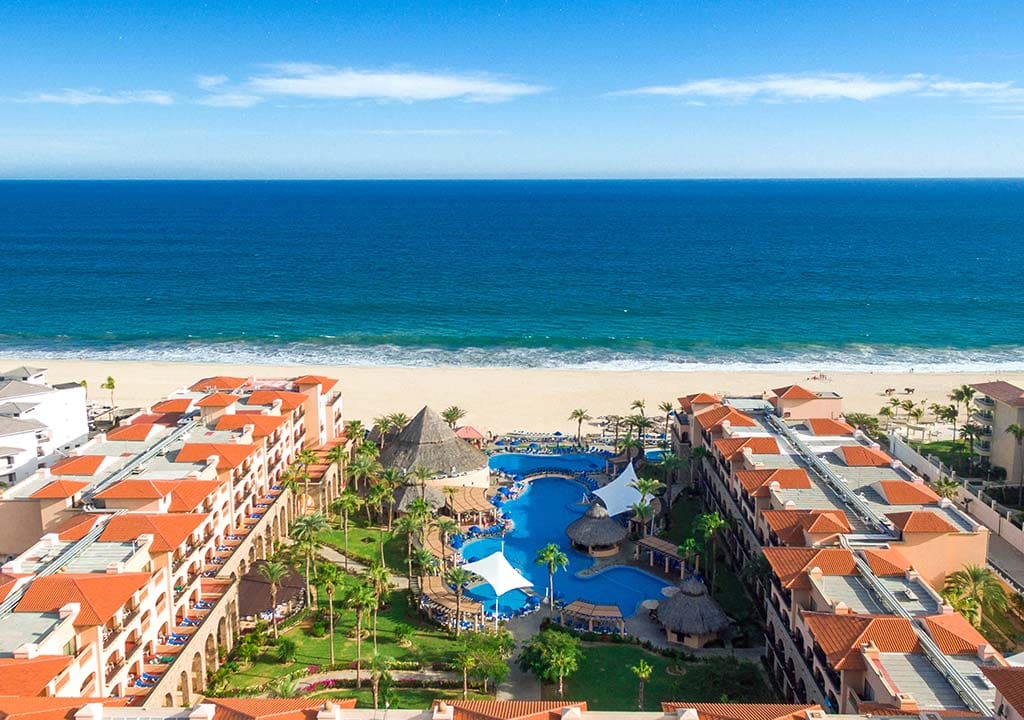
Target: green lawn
[
  {"x": 429, "y": 644},
  {"x": 363, "y": 543},
  {"x": 951, "y": 454},
  {"x": 605, "y": 681},
  {"x": 683, "y": 513},
  {"x": 404, "y": 698}
]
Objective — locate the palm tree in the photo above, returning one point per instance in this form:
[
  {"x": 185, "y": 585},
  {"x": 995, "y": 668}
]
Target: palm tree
[
  {"x": 1018, "y": 434},
  {"x": 346, "y": 503},
  {"x": 975, "y": 590},
  {"x": 970, "y": 432},
  {"x": 379, "y": 579},
  {"x": 916, "y": 413},
  {"x": 290, "y": 482},
  {"x": 355, "y": 432},
  {"x": 946, "y": 487},
  {"x": 273, "y": 571},
  {"x": 628, "y": 444},
  {"x": 379, "y": 666},
  {"x": 377, "y": 498},
  {"x": 410, "y": 524},
  {"x": 886, "y": 412},
  {"x": 643, "y": 671},
  {"x": 552, "y": 556},
  {"x": 363, "y": 469},
  {"x": 424, "y": 561},
  {"x": 641, "y": 424},
  {"x": 110, "y": 385},
  {"x": 710, "y": 524},
  {"x": 459, "y": 578},
  {"x": 639, "y": 405},
  {"x": 452, "y": 415},
  {"x": 360, "y": 598},
  {"x": 668, "y": 408},
  {"x": 422, "y": 474},
  {"x": 670, "y": 464},
  {"x": 614, "y": 421},
  {"x": 338, "y": 455},
  {"x": 579, "y": 415},
  {"x": 696, "y": 456},
  {"x": 643, "y": 512},
  {"x": 305, "y": 531},
  {"x": 963, "y": 395},
  {"x": 691, "y": 548},
  {"x": 446, "y": 527},
  {"x": 399, "y": 420},
  {"x": 384, "y": 426},
  {"x": 648, "y": 487},
  {"x": 390, "y": 478},
  {"x": 330, "y": 578}
]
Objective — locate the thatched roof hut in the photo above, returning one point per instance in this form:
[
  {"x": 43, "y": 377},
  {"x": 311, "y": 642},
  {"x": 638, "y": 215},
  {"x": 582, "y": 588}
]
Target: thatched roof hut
[
  {"x": 596, "y": 531},
  {"x": 254, "y": 590},
  {"x": 428, "y": 442},
  {"x": 405, "y": 495},
  {"x": 691, "y": 616}
]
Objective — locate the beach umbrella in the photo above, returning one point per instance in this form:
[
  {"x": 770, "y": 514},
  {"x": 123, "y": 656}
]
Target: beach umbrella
[
  {"x": 669, "y": 591},
  {"x": 499, "y": 443},
  {"x": 650, "y": 604},
  {"x": 497, "y": 571}
]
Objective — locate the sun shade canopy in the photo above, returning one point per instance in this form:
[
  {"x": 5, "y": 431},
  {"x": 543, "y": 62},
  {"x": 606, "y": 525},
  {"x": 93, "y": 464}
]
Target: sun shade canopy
[
  {"x": 497, "y": 572},
  {"x": 620, "y": 495}
]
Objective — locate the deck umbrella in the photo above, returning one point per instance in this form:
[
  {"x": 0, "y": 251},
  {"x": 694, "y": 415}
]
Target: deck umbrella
[{"x": 497, "y": 571}]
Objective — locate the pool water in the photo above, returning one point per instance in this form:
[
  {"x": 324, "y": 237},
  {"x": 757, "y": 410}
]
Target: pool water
[
  {"x": 541, "y": 515},
  {"x": 522, "y": 463},
  {"x": 655, "y": 455}
]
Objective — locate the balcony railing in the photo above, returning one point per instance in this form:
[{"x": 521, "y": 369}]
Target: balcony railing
[{"x": 985, "y": 400}]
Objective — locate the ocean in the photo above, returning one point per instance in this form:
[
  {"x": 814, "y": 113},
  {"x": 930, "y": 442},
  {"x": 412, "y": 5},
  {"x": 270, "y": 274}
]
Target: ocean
[{"x": 659, "y": 275}]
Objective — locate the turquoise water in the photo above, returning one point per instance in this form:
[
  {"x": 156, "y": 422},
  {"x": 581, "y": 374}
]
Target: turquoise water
[
  {"x": 520, "y": 463},
  {"x": 798, "y": 275},
  {"x": 541, "y": 515}
]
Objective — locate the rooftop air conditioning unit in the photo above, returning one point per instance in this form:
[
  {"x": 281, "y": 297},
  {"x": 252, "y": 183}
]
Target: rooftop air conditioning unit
[{"x": 909, "y": 594}]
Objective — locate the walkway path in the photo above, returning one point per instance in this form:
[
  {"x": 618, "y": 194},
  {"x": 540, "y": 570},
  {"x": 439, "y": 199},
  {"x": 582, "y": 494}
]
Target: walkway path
[
  {"x": 355, "y": 567},
  {"x": 1007, "y": 558}
]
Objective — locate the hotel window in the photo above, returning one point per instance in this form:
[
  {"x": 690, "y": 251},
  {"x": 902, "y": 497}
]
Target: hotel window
[{"x": 71, "y": 647}]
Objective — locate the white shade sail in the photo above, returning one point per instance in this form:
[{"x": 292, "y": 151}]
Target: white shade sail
[
  {"x": 619, "y": 495},
  {"x": 497, "y": 572}
]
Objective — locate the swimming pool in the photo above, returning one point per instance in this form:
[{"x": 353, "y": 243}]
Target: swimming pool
[
  {"x": 540, "y": 515},
  {"x": 522, "y": 463},
  {"x": 655, "y": 455}
]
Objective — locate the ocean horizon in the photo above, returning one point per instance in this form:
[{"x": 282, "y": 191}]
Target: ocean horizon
[{"x": 867, "y": 275}]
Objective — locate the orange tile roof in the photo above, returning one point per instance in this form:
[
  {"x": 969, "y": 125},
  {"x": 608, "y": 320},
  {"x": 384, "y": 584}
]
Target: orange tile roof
[
  {"x": 231, "y": 454},
  {"x": 100, "y": 595},
  {"x": 818, "y": 522},
  {"x": 176, "y": 406},
  {"x": 289, "y": 400},
  {"x": 794, "y": 392},
  {"x": 7, "y": 583},
  {"x": 218, "y": 400},
  {"x": 840, "y": 636},
  {"x": 468, "y": 432},
  {"x": 137, "y": 489},
  {"x": 791, "y": 564},
  {"x": 903, "y": 492},
  {"x": 77, "y": 526},
  {"x": 277, "y": 708},
  {"x": 1009, "y": 681},
  {"x": 953, "y": 634},
  {"x": 188, "y": 495},
  {"x": 731, "y": 448},
  {"x": 921, "y": 521},
  {"x": 169, "y": 531},
  {"x": 29, "y": 677},
  {"x": 137, "y": 432},
  {"x": 886, "y": 561},
  {"x": 59, "y": 490},
  {"x": 509, "y": 709},
  {"x": 49, "y": 708},
  {"x": 741, "y": 711},
  {"x": 757, "y": 483},
  {"x": 326, "y": 384},
  {"x": 688, "y": 401},
  {"x": 78, "y": 465},
  {"x": 860, "y": 456},
  {"x": 827, "y": 426},
  {"x": 712, "y": 418},
  {"x": 219, "y": 382},
  {"x": 263, "y": 425}
]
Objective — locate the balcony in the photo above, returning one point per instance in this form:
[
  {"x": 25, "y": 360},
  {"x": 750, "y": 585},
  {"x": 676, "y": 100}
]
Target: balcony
[
  {"x": 113, "y": 669},
  {"x": 983, "y": 448},
  {"x": 984, "y": 416},
  {"x": 984, "y": 401}
]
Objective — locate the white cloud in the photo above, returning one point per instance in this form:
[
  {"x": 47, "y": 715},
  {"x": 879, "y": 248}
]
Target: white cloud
[
  {"x": 781, "y": 88},
  {"x": 327, "y": 83},
  {"x": 229, "y": 100},
  {"x": 70, "y": 96},
  {"x": 206, "y": 82}
]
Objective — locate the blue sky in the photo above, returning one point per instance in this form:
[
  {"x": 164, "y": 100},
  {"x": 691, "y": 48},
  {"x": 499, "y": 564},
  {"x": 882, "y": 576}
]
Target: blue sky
[{"x": 511, "y": 89}]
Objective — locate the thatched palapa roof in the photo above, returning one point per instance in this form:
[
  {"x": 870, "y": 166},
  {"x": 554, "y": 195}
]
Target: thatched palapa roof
[
  {"x": 428, "y": 442},
  {"x": 596, "y": 527},
  {"x": 407, "y": 494},
  {"x": 691, "y": 611}
]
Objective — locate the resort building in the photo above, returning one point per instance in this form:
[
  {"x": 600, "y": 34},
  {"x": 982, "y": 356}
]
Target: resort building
[
  {"x": 856, "y": 544},
  {"x": 39, "y": 423},
  {"x": 996, "y": 406},
  {"x": 125, "y": 558}
]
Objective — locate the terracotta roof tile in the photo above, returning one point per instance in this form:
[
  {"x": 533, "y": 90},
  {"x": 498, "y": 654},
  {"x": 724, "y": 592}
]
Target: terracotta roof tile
[
  {"x": 59, "y": 490},
  {"x": 468, "y": 432},
  {"x": 886, "y": 561},
  {"x": 326, "y": 384},
  {"x": 78, "y": 465},
  {"x": 7, "y": 583},
  {"x": 231, "y": 454},
  {"x": 903, "y": 492},
  {"x": 29, "y": 677},
  {"x": 289, "y": 400},
  {"x": 169, "y": 531},
  {"x": 1009, "y": 681},
  {"x": 509, "y": 709},
  {"x": 860, "y": 456},
  {"x": 176, "y": 406},
  {"x": 219, "y": 382},
  {"x": 100, "y": 595},
  {"x": 188, "y": 495},
  {"x": 921, "y": 521},
  {"x": 218, "y": 400},
  {"x": 741, "y": 711},
  {"x": 953, "y": 634},
  {"x": 827, "y": 426},
  {"x": 137, "y": 432},
  {"x": 794, "y": 392},
  {"x": 790, "y": 564},
  {"x": 263, "y": 425},
  {"x": 77, "y": 526},
  {"x": 712, "y": 418},
  {"x": 731, "y": 448},
  {"x": 840, "y": 636},
  {"x": 1002, "y": 391},
  {"x": 137, "y": 489},
  {"x": 758, "y": 483},
  {"x": 688, "y": 401},
  {"x": 49, "y": 708},
  {"x": 276, "y": 708}
]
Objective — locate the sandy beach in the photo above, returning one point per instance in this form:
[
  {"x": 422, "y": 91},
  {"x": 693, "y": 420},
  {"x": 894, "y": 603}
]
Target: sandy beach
[{"x": 501, "y": 399}]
